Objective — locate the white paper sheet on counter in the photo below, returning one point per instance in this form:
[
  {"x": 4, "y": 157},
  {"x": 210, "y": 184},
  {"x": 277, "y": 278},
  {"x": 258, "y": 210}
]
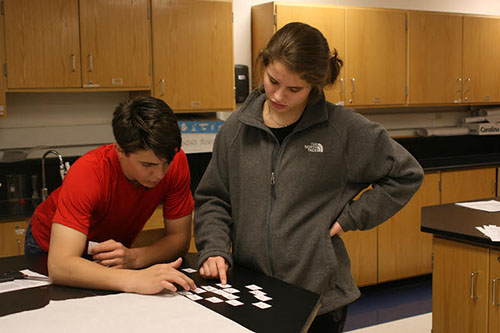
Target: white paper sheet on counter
[
  {"x": 24, "y": 283},
  {"x": 492, "y": 231},
  {"x": 122, "y": 313},
  {"x": 490, "y": 206}
]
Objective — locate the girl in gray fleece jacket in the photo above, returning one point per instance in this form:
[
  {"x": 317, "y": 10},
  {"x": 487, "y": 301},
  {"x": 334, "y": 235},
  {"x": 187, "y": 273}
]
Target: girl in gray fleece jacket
[{"x": 285, "y": 168}]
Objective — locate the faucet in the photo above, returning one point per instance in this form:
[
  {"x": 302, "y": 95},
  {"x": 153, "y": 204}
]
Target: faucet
[{"x": 63, "y": 170}]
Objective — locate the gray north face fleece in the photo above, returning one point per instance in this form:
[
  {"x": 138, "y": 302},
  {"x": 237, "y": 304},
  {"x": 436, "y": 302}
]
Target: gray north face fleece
[{"x": 274, "y": 204}]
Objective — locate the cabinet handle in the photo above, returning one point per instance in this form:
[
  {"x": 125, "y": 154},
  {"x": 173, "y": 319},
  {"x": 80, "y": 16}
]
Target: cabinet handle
[
  {"x": 341, "y": 85},
  {"x": 19, "y": 247},
  {"x": 162, "y": 91},
  {"x": 494, "y": 293},
  {"x": 353, "y": 81},
  {"x": 468, "y": 85},
  {"x": 91, "y": 63},
  {"x": 460, "y": 84},
  {"x": 73, "y": 58},
  {"x": 473, "y": 274}
]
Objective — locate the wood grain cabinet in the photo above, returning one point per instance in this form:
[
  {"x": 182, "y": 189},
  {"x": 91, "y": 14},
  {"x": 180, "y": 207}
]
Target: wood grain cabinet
[
  {"x": 481, "y": 51},
  {"x": 470, "y": 184},
  {"x": 375, "y": 57},
  {"x": 73, "y": 44},
  {"x": 435, "y": 58},
  {"x": 460, "y": 287},
  {"x": 403, "y": 250},
  {"x": 270, "y": 17},
  {"x": 12, "y": 235},
  {"x": 116, "y": 43},
  {"x": 371, "y": 42},
  {"x": 494, "y": 300},
  {"x": 193, "y": 67},
  {"x": 453, "y": 58}
]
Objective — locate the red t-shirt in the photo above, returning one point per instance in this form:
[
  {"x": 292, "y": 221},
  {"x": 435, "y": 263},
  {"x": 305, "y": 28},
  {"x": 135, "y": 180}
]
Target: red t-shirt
[{"x": 97, "y": 199}]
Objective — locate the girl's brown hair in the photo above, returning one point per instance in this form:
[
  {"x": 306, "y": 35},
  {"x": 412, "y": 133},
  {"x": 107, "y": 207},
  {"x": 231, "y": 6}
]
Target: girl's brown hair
[{"x": 304, "y": 50}]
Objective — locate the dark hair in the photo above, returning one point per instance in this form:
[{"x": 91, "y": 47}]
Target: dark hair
[
  {"x": 147, "y": 123},
  {"x": 304, "y": 50}
]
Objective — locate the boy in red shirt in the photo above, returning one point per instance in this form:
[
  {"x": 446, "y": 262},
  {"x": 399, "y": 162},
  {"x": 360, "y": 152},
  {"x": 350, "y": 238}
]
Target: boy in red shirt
[{"x": 107, "y": 197}]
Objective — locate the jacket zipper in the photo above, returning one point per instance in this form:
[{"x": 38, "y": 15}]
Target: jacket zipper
[{"x": 273, "y": 182}]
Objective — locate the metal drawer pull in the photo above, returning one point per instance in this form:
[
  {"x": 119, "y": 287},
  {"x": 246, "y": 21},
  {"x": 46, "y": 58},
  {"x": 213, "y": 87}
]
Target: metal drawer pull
[
  {"x": 74, "y": 62},
  {"x": 341, "y": 85},
  {"x": 91, "y": 63},
  {"x": 494, "y": 293},
  {"x": 460, "y": 84},
  {"x": 472, "y": 296},
  {"x": 162, "y": 81}
]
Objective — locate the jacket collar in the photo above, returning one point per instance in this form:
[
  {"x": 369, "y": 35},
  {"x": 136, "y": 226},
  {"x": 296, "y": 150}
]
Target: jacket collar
[{"x": 250, "y": 112}]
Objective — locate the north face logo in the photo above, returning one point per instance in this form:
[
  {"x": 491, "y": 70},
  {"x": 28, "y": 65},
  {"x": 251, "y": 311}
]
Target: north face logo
[{"x": 314, "y": 147}]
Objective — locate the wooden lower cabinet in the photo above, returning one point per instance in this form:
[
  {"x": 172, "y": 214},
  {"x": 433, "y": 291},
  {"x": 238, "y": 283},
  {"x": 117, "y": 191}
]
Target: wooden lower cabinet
[
  {"x": 362, "y": 249},
  {"x": 494, "y": 301},
  {"x": 12, "y": 235},
  {"x": 154, "y": 230},
  {"x": 460, "y": 287},
  {"x": 403, "y": 250}
]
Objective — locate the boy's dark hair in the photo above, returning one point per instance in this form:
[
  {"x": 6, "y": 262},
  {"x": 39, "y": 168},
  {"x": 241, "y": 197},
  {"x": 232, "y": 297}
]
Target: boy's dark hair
[
  {"x": 147, "y": 123},
  {"x": 304, "y": 50}
]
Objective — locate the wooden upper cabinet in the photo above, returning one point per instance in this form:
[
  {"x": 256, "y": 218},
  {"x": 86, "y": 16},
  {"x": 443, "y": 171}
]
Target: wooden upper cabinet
[
  {"x": 42, "y": 43},
  {"x": 375, "y": 57},
  {"x": 331, "y": 22},
  {"x": 464, "y": 185},
  {"x": 481, "y": 54},
  {"x": 193, "y": 68},
  {"x": 115, "y": 39},
  {"x": 435, "y": 58}
]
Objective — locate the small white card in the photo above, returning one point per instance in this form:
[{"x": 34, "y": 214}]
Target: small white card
[
  {"x": 199, "y": 290},
  {"x": 222, "y": 285},
  {"x": 214, "y": 300},
  {"x": 228, "y": 295},
  {"x": 263, "y": 298},
  {"x": 234, "y": 302},
  {"x": 257, "y": 292},
  {"x": 91, "y": 246},
  {"x": 253, "y": 287},
  {"x": 209, "y": 288},
  {"x": 231, "y": 290},
  {"x": 194, "y": 297},
  {"x": 262, "y": 305},
  {"x": 184, "y": 293},
  {"x": 189, "y": 270}
]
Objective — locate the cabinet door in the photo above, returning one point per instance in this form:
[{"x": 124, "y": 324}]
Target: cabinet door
[
  {"x": 403, "y": 250},
  {"x": 459, "y": 287},
  {"x": 435, "y": 58},
  {"x": 362, "y": 249},
  {"x": 375, "y": 57},
  {"x": 463, "y": 185},
  {"x": 330, "y": 21},
  {"x": 42, "y": 43},
  {"x": 481, "y": 54},
  {"x": 115, "y": 38},
  {"x": 12, "y": 238},
  {"x": 494, "y": 312},
  {"x": 193, "y": 54},
  {"x": 3, "y": 111}
]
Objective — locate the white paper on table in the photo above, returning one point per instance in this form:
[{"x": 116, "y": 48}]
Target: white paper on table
[
  {"x": 492, "y": 231},
  {"x": 167, "y": 312},
  {"x": 490, "y": 206},
  {"x": 24, "y": 283}
]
